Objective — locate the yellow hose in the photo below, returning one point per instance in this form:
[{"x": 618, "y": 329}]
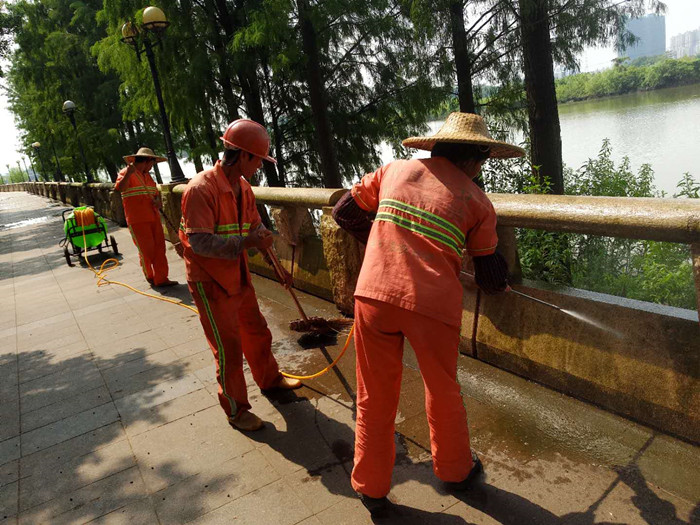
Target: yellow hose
[{"x": 87, "y": 216}]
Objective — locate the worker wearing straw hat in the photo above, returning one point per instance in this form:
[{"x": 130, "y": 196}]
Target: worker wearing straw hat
[
  {"x": 220, "y": 222},
  {"x": 141, "y": 201},
  {"x": 426, "y": 213}
]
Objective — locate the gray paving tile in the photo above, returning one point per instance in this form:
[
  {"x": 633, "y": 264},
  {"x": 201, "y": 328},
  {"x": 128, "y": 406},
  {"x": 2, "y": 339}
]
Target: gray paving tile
[
  {"x": 48, "y": 339},
  {"x": 118, "y": 375},
  {"x": 69, "y": 427},
  {"x": 9, "y": 417},
  {"x": 61, "y": 318},
  {"x": 155, "y": 386},
  {"x": 8, "y": 501},
  {"x": 48, "y": 361},
  {"x": 139, "y": 513},
  {"x": 53, "y": 481},
  {"x": 64, "y": 408},
  {"x": 187, "y": 446},
  {"x": 323, "y": 488},
  {"x": 9, "y": 450},
  {"x": 9, "y": 472},
  {"x": 274, "y": 504},
  {"x": 349, "y": 511},
  {"x": 138, "y": 418},
  {"x": 132, "y": 348},
  {"x": 66, "y": 451},
  {"x": 207, "y": 491},
  {"x": 60, "y": 386},
  {"x": 91, "y": 502}
]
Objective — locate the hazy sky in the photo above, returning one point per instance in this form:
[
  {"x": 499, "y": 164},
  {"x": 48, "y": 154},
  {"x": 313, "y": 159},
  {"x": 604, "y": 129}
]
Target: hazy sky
[{"x": 681, "y": 16}]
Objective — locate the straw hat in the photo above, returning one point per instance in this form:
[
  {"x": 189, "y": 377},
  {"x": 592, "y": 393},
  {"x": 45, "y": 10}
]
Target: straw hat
[
  {"x": 144, "y": 152},
  {"x": 466, "y": 128}
]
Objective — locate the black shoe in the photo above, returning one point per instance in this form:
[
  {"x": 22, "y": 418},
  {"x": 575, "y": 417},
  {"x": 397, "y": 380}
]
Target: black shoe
[
  {"x": 377, "y": 507},
  {"x": 466, "y": 483}
]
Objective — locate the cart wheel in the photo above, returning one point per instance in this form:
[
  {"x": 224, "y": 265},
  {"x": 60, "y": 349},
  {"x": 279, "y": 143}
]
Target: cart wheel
[
  {"x": 114, "y": 245},
  {"x": 66, "y": 254},
  {"x": 99, "y": 248}
]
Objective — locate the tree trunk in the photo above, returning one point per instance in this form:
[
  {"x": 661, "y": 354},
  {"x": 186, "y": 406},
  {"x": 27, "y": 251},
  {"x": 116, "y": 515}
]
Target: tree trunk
[
  {"x": 247, "y": 77},
  {"x": 545, "y": 133},
  {"x": 465, "y": 91},
  {"x": 319, "y": 105},
  {"x": 213, "y": 144},
  {"x": 277, "y": 132},
  {"x": 111, "y": 170}
]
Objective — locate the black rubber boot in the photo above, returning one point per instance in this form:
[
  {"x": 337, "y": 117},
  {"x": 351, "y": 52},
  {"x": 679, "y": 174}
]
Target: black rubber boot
[
  {"x": 465, "y": 484},
  {"x": 377, "y": 507}
]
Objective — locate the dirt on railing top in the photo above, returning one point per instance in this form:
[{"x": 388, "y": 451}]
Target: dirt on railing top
[{"x": 672, "y": 220}]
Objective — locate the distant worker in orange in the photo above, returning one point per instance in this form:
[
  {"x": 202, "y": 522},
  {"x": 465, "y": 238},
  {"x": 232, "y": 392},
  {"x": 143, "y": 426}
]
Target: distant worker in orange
[
  {"x": 219, "y": 223},
  {"x": 142, "y": 202},
  {"x": 426, "y": 212}
]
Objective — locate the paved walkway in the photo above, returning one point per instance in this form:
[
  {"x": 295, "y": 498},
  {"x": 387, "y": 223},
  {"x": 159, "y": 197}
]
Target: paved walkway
[{"x": 108, "y": 414}]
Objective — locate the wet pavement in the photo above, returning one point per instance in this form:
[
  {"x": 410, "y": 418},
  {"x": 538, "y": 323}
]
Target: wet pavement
[{"x": 108, "y": 414}]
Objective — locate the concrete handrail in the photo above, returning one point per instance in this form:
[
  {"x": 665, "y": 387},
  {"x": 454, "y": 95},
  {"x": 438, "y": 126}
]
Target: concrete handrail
[
  {"x": 672, "y": 220},
  {"x": 298, "y": 197}
]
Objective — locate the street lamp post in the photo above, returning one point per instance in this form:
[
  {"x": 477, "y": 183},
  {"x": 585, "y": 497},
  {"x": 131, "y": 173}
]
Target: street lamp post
[
  {"x": 69, "y": 109},
  {"x": 59, "y": 173},
  {"x": 154, "y": 23},
  {"x": 25, "y": 169},
  {"x": 22, "y": 173},
  {"x": 37, "y": 149}
]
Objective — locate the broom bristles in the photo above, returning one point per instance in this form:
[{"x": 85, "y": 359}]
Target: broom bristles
[{"x": 320, "y": 325}]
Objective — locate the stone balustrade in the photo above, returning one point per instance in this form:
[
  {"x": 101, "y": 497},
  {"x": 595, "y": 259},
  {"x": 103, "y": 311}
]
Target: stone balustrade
[{"x": 638, "y": 359}]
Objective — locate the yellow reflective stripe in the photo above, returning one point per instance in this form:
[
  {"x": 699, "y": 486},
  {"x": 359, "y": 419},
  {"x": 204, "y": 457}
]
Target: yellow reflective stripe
[
  {"x": 136, "y": 189},
  {"x": 136, "y": 194},
  {"x": 138, "y": 249},
  {"x": 421, "y": 229},
  {"x": 425, "y": 215},
  {"x": 219, "y": 346}
]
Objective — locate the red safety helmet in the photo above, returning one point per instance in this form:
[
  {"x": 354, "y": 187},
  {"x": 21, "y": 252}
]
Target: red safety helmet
[{"x": 248, "y": 135}]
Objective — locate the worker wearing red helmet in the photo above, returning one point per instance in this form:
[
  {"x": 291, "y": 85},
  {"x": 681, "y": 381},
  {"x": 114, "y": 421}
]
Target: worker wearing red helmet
[
  {"x": 220, "y": 222},
  {"x": 141, "y": 201},
  {"x": 426, "y": 213}
]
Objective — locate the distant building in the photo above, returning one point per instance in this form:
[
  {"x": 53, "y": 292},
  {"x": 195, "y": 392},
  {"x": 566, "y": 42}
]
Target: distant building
[
  {"x": 685, "y": 44},
  {"x": 651, "y": 32}
]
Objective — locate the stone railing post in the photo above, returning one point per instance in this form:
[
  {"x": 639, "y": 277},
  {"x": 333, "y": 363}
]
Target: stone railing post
[
  {"x": 171, "y": 209},
  {"x": 695, "y": 251},
  {"x": 344, "y": 258}
]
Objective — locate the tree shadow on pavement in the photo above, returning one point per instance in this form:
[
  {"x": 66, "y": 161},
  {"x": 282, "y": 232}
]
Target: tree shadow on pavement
[{"x": 74, "y": 461}]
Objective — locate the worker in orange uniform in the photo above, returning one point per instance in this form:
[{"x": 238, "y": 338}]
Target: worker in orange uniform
[
  {"x": 426, "y": 212},
  {"x": 219, "y": 223},
  {"x": 142, "y": 201}
]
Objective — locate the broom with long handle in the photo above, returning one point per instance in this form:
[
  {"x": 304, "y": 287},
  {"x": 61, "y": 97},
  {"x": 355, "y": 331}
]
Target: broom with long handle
[{"x": 317, "y": 325}]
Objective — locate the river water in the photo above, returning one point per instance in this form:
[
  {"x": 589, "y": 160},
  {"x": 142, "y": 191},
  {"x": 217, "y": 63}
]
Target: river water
[{"x": 661, "y": 128}]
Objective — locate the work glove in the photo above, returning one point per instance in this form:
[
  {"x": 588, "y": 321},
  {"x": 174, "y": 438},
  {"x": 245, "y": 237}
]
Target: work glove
[
  {"x": 491, "y": 273},
  {"x": 259, "y": 238}
]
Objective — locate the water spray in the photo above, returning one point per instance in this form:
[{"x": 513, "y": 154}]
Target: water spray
[{"x": 576, "y": 315}]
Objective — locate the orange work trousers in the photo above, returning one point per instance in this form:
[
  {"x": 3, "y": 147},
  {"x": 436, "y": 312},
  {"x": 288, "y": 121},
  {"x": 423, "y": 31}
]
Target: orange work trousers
[
  {"x": 150, "y": 242},
  {"x": 380, "y": 329},
  {"x": 234, "y": 327}
]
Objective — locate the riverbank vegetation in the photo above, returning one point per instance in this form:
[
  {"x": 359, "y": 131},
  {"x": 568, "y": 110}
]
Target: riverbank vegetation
[
  {"x": 658, "y": 272},
  {"x": 627, "y": 78}
]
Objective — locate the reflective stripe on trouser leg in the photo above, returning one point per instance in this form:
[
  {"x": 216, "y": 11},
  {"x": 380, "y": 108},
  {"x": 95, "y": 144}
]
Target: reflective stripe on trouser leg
[
  {"x": 221, "y": 354},
  {"x": 256, "y": 341},
  {"x": 379, "y": 351},
  {"x": 142, "y": 261},
  {"x": 159, "y": 261}
]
